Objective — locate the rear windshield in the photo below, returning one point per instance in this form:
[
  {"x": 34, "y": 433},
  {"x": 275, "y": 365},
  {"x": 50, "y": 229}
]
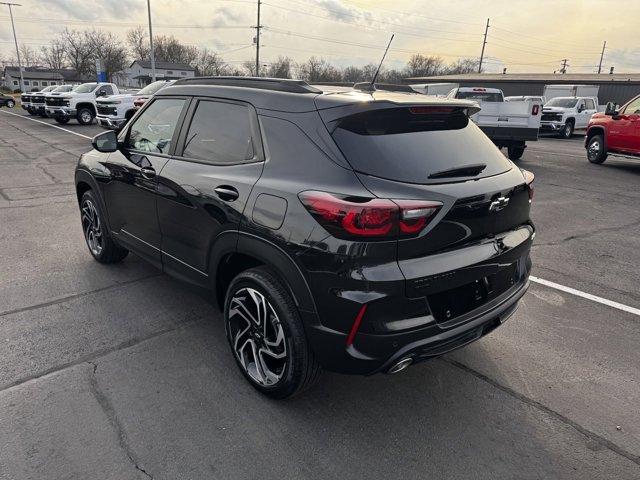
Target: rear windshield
[
  {"x": 413, "y": 144},
  {"x": 85, "y": 88},
  {"x": 562, "y": 102},
  {"x": 482, "y": 96},
  {"x": 153, "y": 87}
]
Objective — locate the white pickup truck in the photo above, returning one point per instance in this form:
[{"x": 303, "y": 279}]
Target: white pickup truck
[
  {"x": 563, "y": 115},
  {"x": 116, "y": 110},
  {"x": 79, "y": 103},
  {"x": 507, "y": 124}
]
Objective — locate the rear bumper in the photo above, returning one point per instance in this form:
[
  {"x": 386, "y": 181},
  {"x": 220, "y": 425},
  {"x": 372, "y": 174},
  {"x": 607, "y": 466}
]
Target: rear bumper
[
  {"x": 402, "y": 321},
  {"x": 511, "y": 134}
]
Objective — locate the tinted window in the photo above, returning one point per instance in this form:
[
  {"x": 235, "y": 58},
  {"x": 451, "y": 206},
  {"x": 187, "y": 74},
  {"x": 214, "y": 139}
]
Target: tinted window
[
  {"x": 480, "y": 96},
  {"x": 220, "y": 133},
  {"x": 633, "y": 107},
  {"x": 153, "y": 129},
  {"x": 562, "y": 102},
  {"x": 410, "y": 145},
  {"x": 153, "y": 87},
  {"x": 85, "y": 88},
  {"x": 108, "y": 89}
]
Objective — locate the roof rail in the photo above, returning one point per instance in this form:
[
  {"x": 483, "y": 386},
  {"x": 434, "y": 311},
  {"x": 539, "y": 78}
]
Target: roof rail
[{"x": 276, "y": 84}]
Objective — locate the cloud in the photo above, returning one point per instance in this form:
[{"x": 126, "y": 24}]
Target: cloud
[
  {"x": 336, "y": 9},
  {"x": 225, "y": 16},
  {"x": 84, "y": 10}
]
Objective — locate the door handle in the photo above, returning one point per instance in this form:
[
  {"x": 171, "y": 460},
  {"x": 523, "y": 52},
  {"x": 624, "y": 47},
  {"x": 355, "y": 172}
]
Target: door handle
[
  {"x": 148, "y": 172},
  {"x": 227, "y": 192}
]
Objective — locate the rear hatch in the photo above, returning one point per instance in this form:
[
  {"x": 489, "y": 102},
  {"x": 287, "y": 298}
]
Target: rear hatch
[{"x": 435, "y": 153}]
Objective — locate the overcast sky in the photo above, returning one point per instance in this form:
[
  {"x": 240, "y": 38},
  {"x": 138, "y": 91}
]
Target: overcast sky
[{"x": 524, "y": 36}]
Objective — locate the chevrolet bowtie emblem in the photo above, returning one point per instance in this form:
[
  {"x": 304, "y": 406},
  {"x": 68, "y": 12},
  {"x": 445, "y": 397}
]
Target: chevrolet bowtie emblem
[{"x": 498, "y": 204}]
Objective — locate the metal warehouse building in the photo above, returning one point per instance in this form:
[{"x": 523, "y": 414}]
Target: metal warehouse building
[{"x": 617, "y": 87}]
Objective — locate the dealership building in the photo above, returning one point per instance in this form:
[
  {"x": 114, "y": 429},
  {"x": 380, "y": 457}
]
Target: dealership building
[{"x": 617, "y": 87}]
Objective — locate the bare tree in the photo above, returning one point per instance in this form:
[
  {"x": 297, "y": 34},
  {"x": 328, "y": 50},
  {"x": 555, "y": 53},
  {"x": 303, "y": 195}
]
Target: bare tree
[
  {"x": 424, "y": 66},
  {"x": 352, "y": 74},
  {"x": 138, "y": 42},
  {"x": 463, "y": 65},
  {"x": 107, "y": 47},
  {"x": 28, "y": 56},
  {"x": 53, "y": 55},
  {"x": 210, "y": 63},
  {"x": 78, "y": 52},
  {"x": 281, "y": 68},
  {"x": 319, "y": 70},
  {"x": 170, "y": 49},
  {"x": 249, "y": 68}
]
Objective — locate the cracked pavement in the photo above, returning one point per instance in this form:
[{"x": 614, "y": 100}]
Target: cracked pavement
[{"x": 120, "y": 372}]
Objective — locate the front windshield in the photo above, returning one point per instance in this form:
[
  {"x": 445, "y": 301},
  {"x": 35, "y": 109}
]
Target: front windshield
[
  {"x": 562, "y": 102},
  {"x": 63, "y": 88},
  {"x": 85, "y": 88},
  {"x": 47, "y": 89},
  {"x": 153, "y": 87}
]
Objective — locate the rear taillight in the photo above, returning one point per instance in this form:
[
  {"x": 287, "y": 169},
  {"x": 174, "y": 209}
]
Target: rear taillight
[
  {"x": 535, "y": 110},
  {"x": 528, "y": 178},
  {"x": 368, "y": 218}
]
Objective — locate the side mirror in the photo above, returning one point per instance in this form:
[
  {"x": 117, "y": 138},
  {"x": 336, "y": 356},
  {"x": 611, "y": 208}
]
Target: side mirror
[
  {"x": 101, "y": 93},
  {"x": 611, "y": 109},
  {"x": 105, "y": 142}
]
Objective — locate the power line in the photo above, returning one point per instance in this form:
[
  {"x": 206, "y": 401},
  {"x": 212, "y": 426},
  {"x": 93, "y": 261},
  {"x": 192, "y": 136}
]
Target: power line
[
  {"x": 342, "y": 14},
  {"x": 123, "y": 24},
  {"x": 357, "y": 44}
]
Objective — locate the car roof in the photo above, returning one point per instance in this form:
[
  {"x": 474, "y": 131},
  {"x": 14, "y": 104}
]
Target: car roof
[{"x": 296, "y": 95}]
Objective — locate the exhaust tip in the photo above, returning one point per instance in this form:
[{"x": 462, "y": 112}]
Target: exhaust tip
[{"x": 401, "y": 365}]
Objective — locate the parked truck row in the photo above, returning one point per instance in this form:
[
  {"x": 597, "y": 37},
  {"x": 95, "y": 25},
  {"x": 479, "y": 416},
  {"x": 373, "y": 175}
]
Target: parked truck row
[{"x": 87, "y": 102}]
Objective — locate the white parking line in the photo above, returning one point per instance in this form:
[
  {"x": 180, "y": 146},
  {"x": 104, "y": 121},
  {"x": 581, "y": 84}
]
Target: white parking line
[
  {"x": 588, "y": 296},
  {"x": 556, "y": 153},
  {"x": 47, "y": 124}
]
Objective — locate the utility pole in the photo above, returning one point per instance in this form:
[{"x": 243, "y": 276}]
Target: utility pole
[
  {"x": 152, "y": 53},
  {"x": 486, "y": 30},
  {"x": 257, "y": 40},
  {"x": 16, "y": 41},
  {"x": 564, "y": 61},
  {"x": 604, "y": 45}
]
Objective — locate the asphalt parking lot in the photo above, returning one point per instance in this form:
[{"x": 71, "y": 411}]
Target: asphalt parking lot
[{"x": 119, "y": 372}]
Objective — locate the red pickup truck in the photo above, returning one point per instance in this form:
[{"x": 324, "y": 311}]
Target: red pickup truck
[{"x": 614, "y": 132}]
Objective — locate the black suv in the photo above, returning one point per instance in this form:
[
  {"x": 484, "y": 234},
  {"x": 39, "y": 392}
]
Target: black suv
[{"x": 356, "y": 231}]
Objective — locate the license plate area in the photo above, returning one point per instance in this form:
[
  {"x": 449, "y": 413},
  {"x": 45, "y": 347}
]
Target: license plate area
[{"x": 449, "y": 305}]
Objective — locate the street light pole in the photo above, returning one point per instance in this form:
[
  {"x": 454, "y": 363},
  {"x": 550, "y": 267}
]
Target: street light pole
[
  {"x": 152, "y": 53},
  {"x": 16, "y": 41},
  {"x": 258, "y": 27}
]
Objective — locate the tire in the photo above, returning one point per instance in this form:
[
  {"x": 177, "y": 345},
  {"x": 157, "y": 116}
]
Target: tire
[
  {"x": 10, "y": 104},
  {"x": 567, "y": 131},
  {"x": 290, "y": 366},
  {"x": 596, "y": 152},
  {"x": 515, "y": 153},
  {"x": 96, "y": 235},
  {"x": 85, "y": 116},
  {"x": 62, "y": 120}
]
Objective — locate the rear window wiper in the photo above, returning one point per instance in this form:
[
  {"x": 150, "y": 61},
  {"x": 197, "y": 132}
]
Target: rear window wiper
[{"x": 466, "y": 171}]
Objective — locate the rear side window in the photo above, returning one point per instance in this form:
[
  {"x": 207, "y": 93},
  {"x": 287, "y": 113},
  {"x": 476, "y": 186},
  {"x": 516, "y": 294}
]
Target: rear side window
[
  {"x": 153, "y": 129},
  {"x": 220, "y": 133},
  {"x": 413, "y": 144}
]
